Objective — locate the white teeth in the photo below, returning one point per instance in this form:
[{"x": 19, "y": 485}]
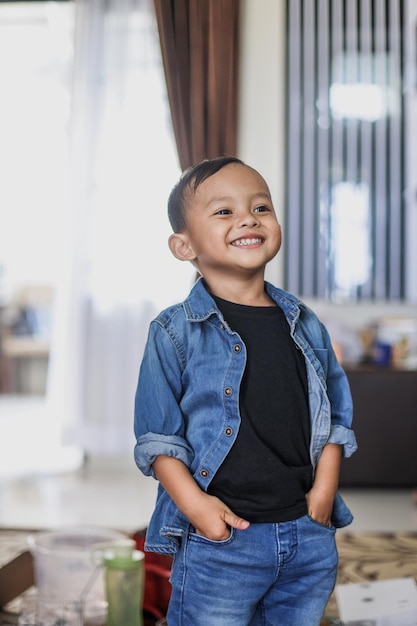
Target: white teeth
[{"x": 247, "y": 242}]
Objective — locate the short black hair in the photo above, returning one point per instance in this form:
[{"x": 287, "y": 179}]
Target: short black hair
[{"x": 190, "y": 180}]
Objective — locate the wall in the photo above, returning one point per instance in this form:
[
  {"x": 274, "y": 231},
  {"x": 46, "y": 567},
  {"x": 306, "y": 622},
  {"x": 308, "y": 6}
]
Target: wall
[{"x": 262, "y": 106}]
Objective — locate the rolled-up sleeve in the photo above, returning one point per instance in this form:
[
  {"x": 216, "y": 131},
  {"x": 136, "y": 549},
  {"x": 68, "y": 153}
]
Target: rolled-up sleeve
[
  {"x": 344, "y": 437},
  {"x": 151, "y": 445}
]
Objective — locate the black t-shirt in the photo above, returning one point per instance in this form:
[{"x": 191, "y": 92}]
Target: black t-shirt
[{"x": 267, "y": 472}]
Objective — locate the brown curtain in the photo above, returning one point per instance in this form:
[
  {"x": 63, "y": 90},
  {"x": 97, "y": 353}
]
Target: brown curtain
[{"x": 199, "y": 42}]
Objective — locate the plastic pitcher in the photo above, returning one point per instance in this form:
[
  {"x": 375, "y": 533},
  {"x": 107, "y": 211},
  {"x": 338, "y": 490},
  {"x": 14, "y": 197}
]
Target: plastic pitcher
[{"x": 70, "y": 584}]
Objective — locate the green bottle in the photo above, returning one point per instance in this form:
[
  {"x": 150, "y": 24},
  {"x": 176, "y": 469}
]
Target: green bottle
[{"x": 124, "y": 578}]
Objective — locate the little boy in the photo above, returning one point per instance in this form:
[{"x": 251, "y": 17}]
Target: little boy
[{"x": 242, "y": 414}]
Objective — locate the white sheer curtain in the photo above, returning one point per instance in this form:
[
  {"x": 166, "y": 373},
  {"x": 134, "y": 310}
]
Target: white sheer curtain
[{"x": 119, "y": 270}]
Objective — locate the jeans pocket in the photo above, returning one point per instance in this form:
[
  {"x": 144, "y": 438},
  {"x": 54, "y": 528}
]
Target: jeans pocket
[{"x": 197, "y": 538}]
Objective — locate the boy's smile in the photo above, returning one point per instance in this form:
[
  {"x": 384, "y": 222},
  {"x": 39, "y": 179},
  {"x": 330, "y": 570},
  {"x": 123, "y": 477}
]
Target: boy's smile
[
  {"x": 247, "y": 242},
  {"x": 231, "y": 228}
]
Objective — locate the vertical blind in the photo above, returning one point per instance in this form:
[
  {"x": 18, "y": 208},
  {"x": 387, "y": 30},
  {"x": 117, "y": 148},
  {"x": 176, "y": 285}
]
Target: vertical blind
[{"x": 344, "y": 223}]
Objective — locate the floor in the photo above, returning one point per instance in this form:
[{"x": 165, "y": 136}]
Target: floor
[
  {"x": 106, "y": 492},
  {"x": 44, "y": 484},
  {"x": 54, "y": 488},
  {"x": 111, "y": 492}
]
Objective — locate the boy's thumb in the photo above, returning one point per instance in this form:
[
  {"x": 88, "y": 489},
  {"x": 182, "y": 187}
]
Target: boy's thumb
[{"x": 236, "y": 522}]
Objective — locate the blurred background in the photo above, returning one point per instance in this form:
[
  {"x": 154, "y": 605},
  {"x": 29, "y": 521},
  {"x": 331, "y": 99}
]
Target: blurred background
[{"x": 327, "y": 111}]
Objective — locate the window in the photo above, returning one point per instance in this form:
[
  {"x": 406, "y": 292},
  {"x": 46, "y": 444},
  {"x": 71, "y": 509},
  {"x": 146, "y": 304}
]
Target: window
[
  {"x": 36, "y": 61},
  {"x": 346, "y": 217}
]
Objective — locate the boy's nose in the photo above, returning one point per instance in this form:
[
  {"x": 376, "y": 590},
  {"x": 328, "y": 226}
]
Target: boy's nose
[{"x": 249, "y": 220}]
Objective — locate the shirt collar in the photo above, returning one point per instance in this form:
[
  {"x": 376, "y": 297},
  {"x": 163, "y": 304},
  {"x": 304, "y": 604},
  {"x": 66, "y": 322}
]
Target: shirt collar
[{"x": 200, "y": 305}]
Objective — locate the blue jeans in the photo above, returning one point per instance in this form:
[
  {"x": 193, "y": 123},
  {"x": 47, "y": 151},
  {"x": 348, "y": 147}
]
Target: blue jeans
[{"x": 270, "y": 574}]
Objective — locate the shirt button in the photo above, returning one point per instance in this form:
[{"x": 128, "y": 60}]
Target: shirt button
[
  {"x": 228, "y": 431},
  {"x": 228, "y": 391},
  {"x": 204, "y": 473},
  {"x": 237, "y": 348}
]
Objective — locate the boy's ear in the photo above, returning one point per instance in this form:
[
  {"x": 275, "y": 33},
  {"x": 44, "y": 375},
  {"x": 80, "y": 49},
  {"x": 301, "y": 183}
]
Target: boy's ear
[{"x": 180, "y": 247}]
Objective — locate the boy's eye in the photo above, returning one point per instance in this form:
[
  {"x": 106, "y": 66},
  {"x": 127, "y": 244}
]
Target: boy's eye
[
  {"x": 262, "y": 209},
  {"x": 223, "y": 212}
]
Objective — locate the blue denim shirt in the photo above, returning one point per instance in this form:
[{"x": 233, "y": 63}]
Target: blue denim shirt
[{"x": 187, "y": 398}]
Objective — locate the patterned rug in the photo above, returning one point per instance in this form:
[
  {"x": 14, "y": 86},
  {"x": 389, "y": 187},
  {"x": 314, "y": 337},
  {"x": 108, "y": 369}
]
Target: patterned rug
[
  {"x": 362, "y": 557},
  {"x": 370, "y": 557}
]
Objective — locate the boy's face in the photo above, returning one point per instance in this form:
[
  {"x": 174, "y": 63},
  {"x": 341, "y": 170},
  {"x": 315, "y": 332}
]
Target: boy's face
[{"x": 232, "y": 228}]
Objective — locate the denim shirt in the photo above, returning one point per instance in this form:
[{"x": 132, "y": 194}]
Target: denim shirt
[{"x": 187, "y": 398}]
